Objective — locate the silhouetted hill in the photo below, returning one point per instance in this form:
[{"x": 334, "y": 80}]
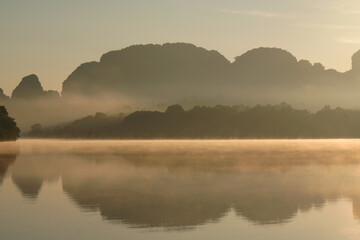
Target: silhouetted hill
[
  {"x": 30, "y": 88},
  {"x": 177, "y": 72},
  {"x": 149, "y": 70},
  {"x": 3, "y": 97},
  {"x": 264, "y": 65},
  {"x": 277, "y": 68},
  {"x": 8, "y": 129},
  {"x": 30, "y": 103},
  {"x": 184, "y": 70}
]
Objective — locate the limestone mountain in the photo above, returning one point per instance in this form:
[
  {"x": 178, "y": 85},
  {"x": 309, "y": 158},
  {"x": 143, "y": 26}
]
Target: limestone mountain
[
  {"x": 149, "y": 70},
  {"x": 275, "y": 67},
  {"x": 180, "y": 71},
  {"x": 148, "y": 76},
  {"x": 30, "y": 88}
]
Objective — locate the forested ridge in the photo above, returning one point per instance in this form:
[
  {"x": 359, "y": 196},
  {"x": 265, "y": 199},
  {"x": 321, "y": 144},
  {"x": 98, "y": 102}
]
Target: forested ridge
[{"x": 216, "y": 122}]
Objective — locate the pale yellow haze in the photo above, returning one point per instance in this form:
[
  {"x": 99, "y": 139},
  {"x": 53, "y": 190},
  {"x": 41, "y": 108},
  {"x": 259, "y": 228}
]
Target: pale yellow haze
[{"x": 51, "y": 38}]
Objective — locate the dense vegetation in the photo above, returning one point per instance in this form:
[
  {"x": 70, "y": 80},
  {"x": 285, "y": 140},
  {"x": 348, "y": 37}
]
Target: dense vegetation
[
  {"x": 261, "y": 121},
  {"x": 8, "y": 129}
]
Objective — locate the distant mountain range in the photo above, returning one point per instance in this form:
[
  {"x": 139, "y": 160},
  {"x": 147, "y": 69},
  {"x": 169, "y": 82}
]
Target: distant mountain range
[
  {"x": 183, "y": 70},
  {"x": 180, "y": 70},
  {"x": 147, "y": 75}
]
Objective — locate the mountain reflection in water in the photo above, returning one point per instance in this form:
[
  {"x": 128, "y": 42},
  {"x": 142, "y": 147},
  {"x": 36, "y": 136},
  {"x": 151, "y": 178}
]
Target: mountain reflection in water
[{"x": 177, "y": 184}]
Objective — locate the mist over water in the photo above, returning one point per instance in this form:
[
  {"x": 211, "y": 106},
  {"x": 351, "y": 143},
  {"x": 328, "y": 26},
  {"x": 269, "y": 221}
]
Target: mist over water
[
  {"x": 185, "y": 186},
  {"x": 52, "y": 112}
]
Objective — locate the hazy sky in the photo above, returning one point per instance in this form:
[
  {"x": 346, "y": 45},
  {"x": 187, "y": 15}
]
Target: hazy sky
[{"x": 51, "y": 38}]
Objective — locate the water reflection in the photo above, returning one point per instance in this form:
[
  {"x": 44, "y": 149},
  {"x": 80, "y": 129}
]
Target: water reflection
[
  {"x": 176, "y": 184},
  {"x": 8, "y": 153},
  {"x": 28, "y": 184},
  {"x": 5, "y": 161}
]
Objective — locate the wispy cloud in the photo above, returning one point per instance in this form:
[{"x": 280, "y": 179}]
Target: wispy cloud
[
  {"x": 339, "y": 6},
  {"x": 346, "y": 7},
  {"x": 329, "y": 26},
  {"x": 347, "y": 40},
  {"x": 263, "y": 14}
]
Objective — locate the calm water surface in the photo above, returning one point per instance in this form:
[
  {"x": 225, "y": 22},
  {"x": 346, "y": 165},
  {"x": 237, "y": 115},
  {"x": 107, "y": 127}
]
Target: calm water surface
[{"x": 227, "y": 189}]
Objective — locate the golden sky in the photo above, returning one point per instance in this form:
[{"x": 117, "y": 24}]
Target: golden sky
[{"x": 51, "y": 38}]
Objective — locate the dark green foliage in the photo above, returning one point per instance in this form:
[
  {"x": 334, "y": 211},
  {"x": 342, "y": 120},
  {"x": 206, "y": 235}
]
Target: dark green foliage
[
  {"x": 261, "y": 121},
  {"x": 8, "y": 129},
  {"x": 98, "y": 126},
  {"x": 36, "y": 130},
  {"x": 280, "y": 121}
]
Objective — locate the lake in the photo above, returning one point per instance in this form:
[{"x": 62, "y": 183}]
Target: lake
[{"x": 180, "y": 189}]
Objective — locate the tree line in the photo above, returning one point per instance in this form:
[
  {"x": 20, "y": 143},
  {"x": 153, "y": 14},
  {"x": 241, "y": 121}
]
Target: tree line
[
  {"x": 217, "y": 122},
  {"x": 8, "y": 128}
]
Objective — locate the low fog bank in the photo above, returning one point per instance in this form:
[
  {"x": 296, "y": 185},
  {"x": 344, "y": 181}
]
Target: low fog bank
[
  {"x": 280, "y": 121},
  {"x": 56, "y": 111}
]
